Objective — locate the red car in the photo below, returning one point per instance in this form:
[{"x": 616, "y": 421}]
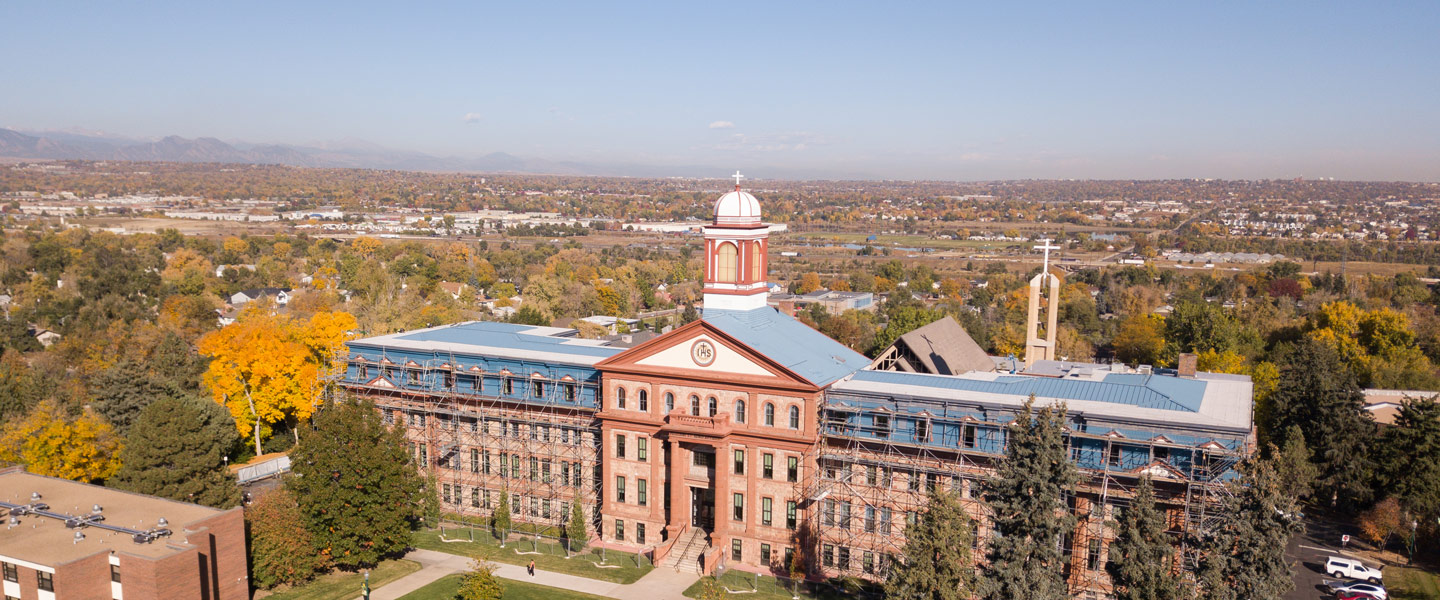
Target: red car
[{"x": 1354, "y": 596}]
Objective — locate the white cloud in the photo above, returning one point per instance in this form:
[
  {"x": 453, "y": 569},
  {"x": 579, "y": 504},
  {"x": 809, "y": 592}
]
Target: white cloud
[
  {"x": 722, "y": 125},
  {"x": 794, "y": 141},
  {"x": 473, "y": 117}
]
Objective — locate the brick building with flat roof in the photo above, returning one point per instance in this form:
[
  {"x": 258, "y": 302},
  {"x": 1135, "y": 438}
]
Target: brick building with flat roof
[{"x": 75, "y": 541}]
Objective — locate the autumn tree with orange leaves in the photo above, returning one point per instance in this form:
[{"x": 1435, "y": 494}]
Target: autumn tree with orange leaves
[{"x": 267, "y": 368}]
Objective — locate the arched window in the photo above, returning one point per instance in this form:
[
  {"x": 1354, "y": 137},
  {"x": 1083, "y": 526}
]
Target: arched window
[
  {"x": 757, "y": 265},
  {"x": 739, "y": 411},
  {"x": 794, "y": 417},
  {"x": 714, "y": 406},
  {"x": 694, "y": 405},
  {"x": 644, "y": 401},
  {"x": 619, "y": 397},
  {"x": 725, "y": 257},
  {"x": 669, "y": 403},
  {"x": 769, "y": 414}
]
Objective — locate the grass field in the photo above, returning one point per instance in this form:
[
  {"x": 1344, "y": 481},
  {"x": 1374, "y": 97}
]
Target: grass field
[
  {"x": 768, "y": 588},
  {"x": 445, "y": 588},
  {"x": 1412, "y": 584},
  {"x": 619, "y": 567},
  {"x": 346, "y": 586}
]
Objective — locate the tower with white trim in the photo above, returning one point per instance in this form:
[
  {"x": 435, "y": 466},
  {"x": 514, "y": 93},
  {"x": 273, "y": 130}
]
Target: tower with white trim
[{"x": 736, "y": 245}]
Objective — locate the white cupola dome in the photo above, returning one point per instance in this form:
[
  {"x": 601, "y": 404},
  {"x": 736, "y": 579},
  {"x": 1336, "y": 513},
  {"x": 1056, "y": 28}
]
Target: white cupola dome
[{"x": 737, "y": 208}]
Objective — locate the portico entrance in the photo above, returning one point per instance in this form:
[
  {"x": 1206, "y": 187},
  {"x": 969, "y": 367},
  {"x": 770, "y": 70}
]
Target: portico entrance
[{"x": 702, "y": 508}]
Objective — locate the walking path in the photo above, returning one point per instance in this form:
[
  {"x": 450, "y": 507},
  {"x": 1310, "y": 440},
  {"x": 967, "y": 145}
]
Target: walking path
[{"x": 658, "y": 583}]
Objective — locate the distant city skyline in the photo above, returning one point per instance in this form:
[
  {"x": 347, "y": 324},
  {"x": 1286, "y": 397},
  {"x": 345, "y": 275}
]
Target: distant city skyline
[{"x": 844, "y": 91}]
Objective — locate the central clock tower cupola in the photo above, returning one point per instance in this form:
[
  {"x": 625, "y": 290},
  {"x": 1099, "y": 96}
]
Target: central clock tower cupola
[{"x": 736, "y": 244}]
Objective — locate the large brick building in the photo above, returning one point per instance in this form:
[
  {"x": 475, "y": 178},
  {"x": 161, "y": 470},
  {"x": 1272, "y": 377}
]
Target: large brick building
[
  {"x": 732, "y": 439},
  {"x": 74, "y": 541}
]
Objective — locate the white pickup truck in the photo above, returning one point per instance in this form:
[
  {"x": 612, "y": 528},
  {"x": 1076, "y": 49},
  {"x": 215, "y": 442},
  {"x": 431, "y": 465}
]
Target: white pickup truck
[{"x": 1351, "y": 569}]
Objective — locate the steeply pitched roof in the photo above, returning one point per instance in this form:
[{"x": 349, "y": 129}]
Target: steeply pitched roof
[
  {"x": 802, "y": 350},
  {"x": 944, "y": 348}
]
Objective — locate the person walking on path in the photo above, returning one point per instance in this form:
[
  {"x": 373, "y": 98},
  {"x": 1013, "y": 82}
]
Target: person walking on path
[{"x": 531, "y": 568}]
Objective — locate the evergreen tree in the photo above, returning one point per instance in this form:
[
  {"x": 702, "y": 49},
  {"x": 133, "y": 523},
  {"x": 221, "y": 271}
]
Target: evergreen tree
[
  {"x": 280, "y": 547},
  {"x": 121, "y": 392},
  {"x": 575, "y": 535},
  {"x": 1244, "y": 558},
  {"x": 1318, "y": 394},
  {"x": 176, "y": 450},
  {"x": 1026, "y": 495},
  {"x": 1141, "y": 555},
  {"x": 355, "y": 484},
  {"x": 689, "y": 314},
  {"x": 937, "y": 564},
  {"x": 1295, "y": 465},
  {"x": 1412, "y": 469},
  {"x": 430, "y": 500},
  {"x": 500, "y": 519},
  {"x": 480, "y": 584}
]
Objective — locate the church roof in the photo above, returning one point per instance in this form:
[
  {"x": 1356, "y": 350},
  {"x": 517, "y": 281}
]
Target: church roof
[
  {"x": 781, "y": 338},
  {"x": 944, "y": 348}
]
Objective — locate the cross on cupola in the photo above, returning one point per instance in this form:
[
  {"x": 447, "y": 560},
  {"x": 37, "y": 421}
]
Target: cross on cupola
[
  {"x": 1044, "y": 245},
  {"x": 737, "y": 177},
  {"x": 735, "y": 255}
]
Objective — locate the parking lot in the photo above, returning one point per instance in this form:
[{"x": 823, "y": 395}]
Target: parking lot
[{"x": 1308, "y": 552}]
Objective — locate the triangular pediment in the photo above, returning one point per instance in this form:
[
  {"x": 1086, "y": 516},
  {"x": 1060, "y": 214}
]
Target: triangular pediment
[
  {"x": 1159, "y": 469},
  {"x": 701, "y": 350},
  {"x": 380, "y": 382}
]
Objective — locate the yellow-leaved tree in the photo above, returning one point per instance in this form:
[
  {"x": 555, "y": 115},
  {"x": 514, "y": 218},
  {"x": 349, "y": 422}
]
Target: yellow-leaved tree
[
  {"x": 49, "y": 442},
  {"x": 268, "y": 368}
]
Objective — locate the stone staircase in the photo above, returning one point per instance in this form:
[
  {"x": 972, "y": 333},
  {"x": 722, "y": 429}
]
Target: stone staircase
[{"x": 685, "y": 556}]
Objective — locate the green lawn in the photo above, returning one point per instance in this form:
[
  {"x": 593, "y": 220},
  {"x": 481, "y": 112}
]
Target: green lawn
[
  {"x": 346, "y": 586},
  {"x": 1412, "y": 584},
  {"x": 445, "y": 588},
  {"x": 621, "y": 567},
  {"x": 767, "y": 588}
]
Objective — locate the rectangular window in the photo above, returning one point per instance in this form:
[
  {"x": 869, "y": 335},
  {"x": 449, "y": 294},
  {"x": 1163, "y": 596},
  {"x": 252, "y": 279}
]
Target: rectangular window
[
  {"x": 845, "y": 515},
  {"x": 885, "y": 520},
  {"x": 474, "y": 460},
  {"x": 12, "y": 573},
  {"x": 545, "y": 470},
  {"x": 537, "y": 389},
  {"x": 514, "y": 466},
  {"x": 793, "y": 471},
  {"x": 1092, "y": 557},
  {"x": 640, "y": 533},
  {"x": 115, "y": 573},
  {"x": 739, "y": 513},
  {"x": 642, "y": 493},
  {"x": 867, "y": 562},
  {"x": 477, "y": 383},
  {"x": 789, "y": 557},
  {"x": 735, "y": 549},
  {"x": 765, "y": 554},
  {"x": 922, "y": 433},
  {"x": 413, "y": 376},
  {"x": 869, "y": 519},
  {"x": 570, "y": 393},
  {"x": 827, "y": 555},
  {"x": 388, "y": 416},
  {"x": 446, "y": 487},
  {"x": 914, "y": 481},
  {"x": 765, "y": 511},
  {"x": 364, "y": 373},
  {"x": 474, "y": 497},
  {"x": 1162, "y": 454},
  {"x": 871, "y": 475},
  {"x": 45, "y": 581},
  {"x": 1113, "y": 459},
  {"x": 882, "y": 426},
  {"x": 739, "y": 462},
  {"x": 507, "y": 386},
  {"x": 424, "y": 456},
  {"x": 642, "y": 449},
  {"x": 790, "y": 520},
  {"x": 504, "y": 460},
  {"x": 767, "y": 466},
  {"x": 932, "y": 481},
  {"x": 485, "y": 466},
  {"x": 534, "y": 469},
  {"x": 619, "y": 445},
  {"x": 449, "y": 380},
  {"x": 619, "y": 530},
  {"x": 842, "y": 558},
  {"x": 829, "y": 512},
  {"x": 619, "y": 488},
  {"x": 969, "y": 436}
]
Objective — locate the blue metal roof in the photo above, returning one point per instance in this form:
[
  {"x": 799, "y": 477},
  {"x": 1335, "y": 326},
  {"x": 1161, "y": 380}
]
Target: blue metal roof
[
  {"x": 504, "y": 335},
  {"x": 809, "y": 353},
  {"x": 1146, "y": 391}
]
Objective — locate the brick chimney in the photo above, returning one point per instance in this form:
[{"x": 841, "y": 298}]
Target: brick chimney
[{"x": 1187, "y": 365}]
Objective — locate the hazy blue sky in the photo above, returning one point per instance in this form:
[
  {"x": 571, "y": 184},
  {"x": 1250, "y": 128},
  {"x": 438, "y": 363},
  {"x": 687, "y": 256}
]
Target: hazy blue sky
[{"x": 875, "y": 89}]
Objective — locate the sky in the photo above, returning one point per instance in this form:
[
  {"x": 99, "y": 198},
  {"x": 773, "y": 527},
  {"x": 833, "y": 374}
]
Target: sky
[{"x": 892, "y": 90}]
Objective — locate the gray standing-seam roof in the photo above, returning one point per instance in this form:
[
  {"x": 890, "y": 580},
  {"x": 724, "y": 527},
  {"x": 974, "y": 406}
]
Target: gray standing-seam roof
[
  {"x": 506, "y": 339},
  {"x": 781, "y": 338}
]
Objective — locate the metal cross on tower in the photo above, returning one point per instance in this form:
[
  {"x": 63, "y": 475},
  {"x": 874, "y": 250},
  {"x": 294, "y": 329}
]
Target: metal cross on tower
[
  {"x": 737, "y": 177},
  {"x": 1045, "y": 245}
]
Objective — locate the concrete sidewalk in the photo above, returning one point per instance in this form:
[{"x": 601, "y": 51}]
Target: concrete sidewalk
[{"x": 657, "y": 584}]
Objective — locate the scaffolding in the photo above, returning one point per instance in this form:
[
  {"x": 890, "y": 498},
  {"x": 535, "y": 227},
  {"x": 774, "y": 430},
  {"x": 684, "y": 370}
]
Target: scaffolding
[
  {"x": 870, "y": 485},
  {"x": 539, "y": 443}
]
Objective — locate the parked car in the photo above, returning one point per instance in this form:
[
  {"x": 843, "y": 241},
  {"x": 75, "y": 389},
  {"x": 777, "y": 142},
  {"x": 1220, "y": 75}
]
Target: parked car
[
  {"x": 1351, "y": 569},
  {"x": 1373, "y": 590},
  {"x": 1354, "y": 596}
]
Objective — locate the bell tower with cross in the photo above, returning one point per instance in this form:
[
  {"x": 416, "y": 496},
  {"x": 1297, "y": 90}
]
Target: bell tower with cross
[
  {"x": 736, "y": 244},
  {"x": 1041, "y": 345}
]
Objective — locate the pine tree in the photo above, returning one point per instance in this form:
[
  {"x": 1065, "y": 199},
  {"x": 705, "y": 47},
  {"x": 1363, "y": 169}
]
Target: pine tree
[
  {"x": 430, "y": 499},
  {"x": 280, "y": 547},
  {"x": 1141, "y": 555},
  {"x": 1413, "y": 463},
  {"x": 1318, "y": 394},
  {"x": 480, "y": 584},
  {"x": 575, "y": 535},
  {"x": 355, "y": 484},
  {"x": 1295, "y": 465},
  {"x": 121, "y": 392},
  {"x": 1026, "y": 495},
  {"x": 176, "y": 450},
  {"x": 1244, "y": 558},
  {"x": 500, "y": 519},
  {"x": 937, "y": 563}
]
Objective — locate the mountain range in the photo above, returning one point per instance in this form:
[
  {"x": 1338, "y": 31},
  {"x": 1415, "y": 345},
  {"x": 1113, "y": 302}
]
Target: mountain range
[{"x": 80, "y": 145}]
